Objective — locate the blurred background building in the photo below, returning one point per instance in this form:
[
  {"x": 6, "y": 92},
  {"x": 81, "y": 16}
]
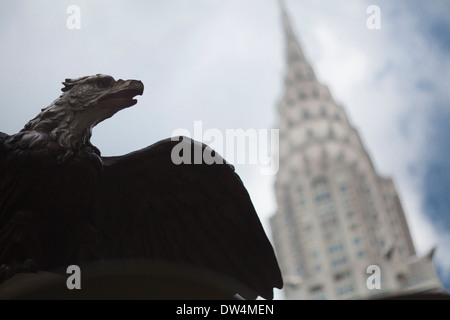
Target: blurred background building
[{"x": 336, "y": 216}]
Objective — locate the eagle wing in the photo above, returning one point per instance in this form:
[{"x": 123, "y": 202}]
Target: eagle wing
[{"x": 191, "y": 213}]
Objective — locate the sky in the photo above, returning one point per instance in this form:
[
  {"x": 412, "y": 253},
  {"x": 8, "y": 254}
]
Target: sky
[{"x": 222, "y": 62}]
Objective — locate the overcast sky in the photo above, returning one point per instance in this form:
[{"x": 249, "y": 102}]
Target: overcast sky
[{"x": 222, "y": 62}]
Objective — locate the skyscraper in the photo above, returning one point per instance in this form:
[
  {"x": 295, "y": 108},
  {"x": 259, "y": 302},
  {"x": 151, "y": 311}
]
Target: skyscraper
[{"x": 339, "y": 230}]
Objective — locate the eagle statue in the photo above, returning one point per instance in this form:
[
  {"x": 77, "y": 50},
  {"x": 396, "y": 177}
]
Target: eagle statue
[{"x": 62, "y": 203}]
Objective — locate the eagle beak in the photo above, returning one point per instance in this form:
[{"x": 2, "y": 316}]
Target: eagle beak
[
  {"x": 132, "y": 86},
  {"x": 122, "y": 93}
]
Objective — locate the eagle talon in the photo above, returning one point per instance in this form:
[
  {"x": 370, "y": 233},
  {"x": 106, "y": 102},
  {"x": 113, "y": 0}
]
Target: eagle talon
[
  {"x": 30, "y": 266},
  {"x": 7, "y": 271}
]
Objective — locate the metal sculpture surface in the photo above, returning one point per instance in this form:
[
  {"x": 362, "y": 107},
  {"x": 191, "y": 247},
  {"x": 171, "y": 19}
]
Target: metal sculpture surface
[{"x": 62, "y": 203}]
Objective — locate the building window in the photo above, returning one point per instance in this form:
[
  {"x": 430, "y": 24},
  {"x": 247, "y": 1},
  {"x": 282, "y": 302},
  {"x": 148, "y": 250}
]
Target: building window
[
  {"x": 318, "y": 268},
  {"x": 336, "y": 248},
  {"x": 330, "y": 223},
  {"x": 290, "y": 122},
  {"x": 302, "y": 95},
  {"x": 345, "y": 289},
  {"x": 303, "y": 203},
  {"x": 413, "y": 281},
  {"x": 331, "y": 134},
  {"x": 315, "y": 93},
  {"x": 360, "y": 254},
  {"x": 320, "y": 182},
  {"x": 356, "y": 240},
  {"x": 290, "y": 102},
  {"x": 306, "y": 114},
  {"x": 325, "y": 211},
  {"x": 341, "y": 275},
  {"x": 339, "y": 262},
  {"x": 321, "y": 296},
  {"x": 310, "y": 134},
  {"x": 315, "y": 288},
  {"x": 299, "y": 270},
  {"x": 347, "y": 201},
  {"x": 323, "y": 197}
]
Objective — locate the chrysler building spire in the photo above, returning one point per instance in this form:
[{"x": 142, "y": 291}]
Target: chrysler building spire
[{"x": 301, "y": 70}]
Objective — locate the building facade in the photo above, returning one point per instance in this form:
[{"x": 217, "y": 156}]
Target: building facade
[{"x": 339, "y": 230}]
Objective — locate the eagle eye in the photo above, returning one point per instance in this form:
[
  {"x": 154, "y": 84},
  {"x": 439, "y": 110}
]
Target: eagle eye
[{"x": 106, "y": 82}]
